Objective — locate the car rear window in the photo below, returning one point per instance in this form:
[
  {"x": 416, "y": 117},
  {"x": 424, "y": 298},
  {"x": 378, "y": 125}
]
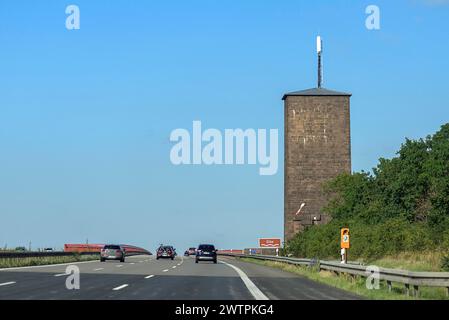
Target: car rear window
[
  {"x": 206, "y": 247},
  {"x": 112, "y": 247}
]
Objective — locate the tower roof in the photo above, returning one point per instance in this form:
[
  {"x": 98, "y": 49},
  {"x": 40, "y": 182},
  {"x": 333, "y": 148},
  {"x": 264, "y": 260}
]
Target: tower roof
[{"x": 316, "y": 92}]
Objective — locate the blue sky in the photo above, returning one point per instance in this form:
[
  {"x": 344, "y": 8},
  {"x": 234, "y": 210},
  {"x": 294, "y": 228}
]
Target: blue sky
[{"x": 86, "y": 115}]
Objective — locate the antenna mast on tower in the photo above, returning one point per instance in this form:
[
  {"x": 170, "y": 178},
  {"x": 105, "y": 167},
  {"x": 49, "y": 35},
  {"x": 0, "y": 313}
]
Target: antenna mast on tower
[{"x": 319, "y": 50}]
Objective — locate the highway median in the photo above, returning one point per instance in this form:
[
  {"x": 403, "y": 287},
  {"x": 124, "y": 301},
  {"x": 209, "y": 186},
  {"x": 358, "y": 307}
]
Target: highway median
[{"x": 27, "y": 261}]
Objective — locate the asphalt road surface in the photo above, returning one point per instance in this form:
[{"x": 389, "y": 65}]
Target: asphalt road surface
[{"x": 144, "y": 277}]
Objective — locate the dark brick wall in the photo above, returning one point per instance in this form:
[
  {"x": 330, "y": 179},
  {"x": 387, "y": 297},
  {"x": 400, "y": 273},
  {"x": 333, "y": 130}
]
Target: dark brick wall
[{"x": 317, "y": 148}]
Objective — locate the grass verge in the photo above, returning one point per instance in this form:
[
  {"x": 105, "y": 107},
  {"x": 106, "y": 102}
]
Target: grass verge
[
  {"x": 355, "y": 285},
  {"x": 412, "y": 261},
  {"x": 38, "y": 261}
]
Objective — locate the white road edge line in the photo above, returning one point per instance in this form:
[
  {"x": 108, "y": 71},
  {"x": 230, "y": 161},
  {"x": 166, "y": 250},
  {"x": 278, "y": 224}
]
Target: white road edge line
[
  {"x": 61, "y": 274},
  {"x": 120, "y": 287},
  {"x": 165, "y": 270},
  {"x": 150, "y": 276},
  {"x": 253, "y": 289},
  {"x": 98, "y": 269},
  {"x": 7, "y": 283}
]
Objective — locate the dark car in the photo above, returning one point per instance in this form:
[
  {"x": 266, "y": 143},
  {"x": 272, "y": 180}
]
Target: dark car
[
  {"x": 186, "y": 253},
  {"x": 192, "y": 251},
  {"x": 206, "y": 252},
  {"x": 165, "y": 252},
  {"x": 112, "y": 252}
]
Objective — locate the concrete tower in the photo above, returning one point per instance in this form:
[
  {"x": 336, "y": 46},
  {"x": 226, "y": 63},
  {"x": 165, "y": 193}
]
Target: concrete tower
[{"x": 317, "y": 149}]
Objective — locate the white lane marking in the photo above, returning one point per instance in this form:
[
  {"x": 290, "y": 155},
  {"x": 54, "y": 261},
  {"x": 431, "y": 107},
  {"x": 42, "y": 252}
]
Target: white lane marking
[
  {"x": 47, "y": 265},
  {"x": 61, "y": 274},
  {"x": 165, "y": 270},
  {"x": 140, "y": 261},
  {"x": 119, "y": 265},
  {"x": 120, "y": 287},
  {"x": 98, "y": 269},
  {"x": 7, "y": 283},
  {"x": 174, "y": 267},
  {"x": 150, "y": 276},
  {"x": 132, "y": 263},
  {"x": 255, "y": 291}
]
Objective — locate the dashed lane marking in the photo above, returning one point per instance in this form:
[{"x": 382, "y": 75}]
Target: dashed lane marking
[
  {"x": 120, "y": 287},
  {"x": 7, "y": 283}
]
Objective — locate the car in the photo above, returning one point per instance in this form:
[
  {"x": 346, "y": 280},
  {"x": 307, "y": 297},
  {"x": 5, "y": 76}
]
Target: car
[
  {"x": 192, "y": 251},
  {"x": 167, "y": 252},
  {"x": 206, "y": 252},
  {"x": 112, "y": 252}
]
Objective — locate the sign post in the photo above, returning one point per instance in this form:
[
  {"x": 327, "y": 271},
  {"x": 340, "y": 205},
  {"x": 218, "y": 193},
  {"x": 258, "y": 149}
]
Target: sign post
[{"x": 344, "y": 244}]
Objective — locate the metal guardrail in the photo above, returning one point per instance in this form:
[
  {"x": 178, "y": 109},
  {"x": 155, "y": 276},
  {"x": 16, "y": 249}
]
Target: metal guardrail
[{"x": 410, "y": 279}]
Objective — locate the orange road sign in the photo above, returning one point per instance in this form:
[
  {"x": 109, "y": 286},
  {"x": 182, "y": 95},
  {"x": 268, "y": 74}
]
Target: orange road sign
[
  {"x": 344, "y": 234},
  {"x": 269, "y": 243}
]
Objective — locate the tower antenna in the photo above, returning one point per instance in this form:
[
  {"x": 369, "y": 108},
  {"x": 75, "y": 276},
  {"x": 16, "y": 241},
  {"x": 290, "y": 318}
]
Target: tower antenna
[{"x": 319, "y": 50}]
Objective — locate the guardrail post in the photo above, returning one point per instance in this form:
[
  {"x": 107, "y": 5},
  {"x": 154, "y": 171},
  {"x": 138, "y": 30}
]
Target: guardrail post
[
  {"x": 390, "y": 287},
  {"x": 415, "y": 291},
  {"x": 353, "y": 278},
  {"x": 407, "y": 289},
  {"x": 447, "y": 291}
]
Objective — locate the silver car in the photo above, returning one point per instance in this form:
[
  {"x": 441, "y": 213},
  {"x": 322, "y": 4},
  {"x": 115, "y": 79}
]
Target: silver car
[{"x": 112, "y": 252}]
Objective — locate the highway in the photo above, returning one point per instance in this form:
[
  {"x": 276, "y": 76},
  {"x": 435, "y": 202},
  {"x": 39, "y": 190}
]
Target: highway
[{"x": 144, "y": 277}]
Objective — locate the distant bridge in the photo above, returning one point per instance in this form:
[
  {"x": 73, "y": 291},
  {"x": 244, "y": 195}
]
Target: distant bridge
[{"x": 96, "y": 248}]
